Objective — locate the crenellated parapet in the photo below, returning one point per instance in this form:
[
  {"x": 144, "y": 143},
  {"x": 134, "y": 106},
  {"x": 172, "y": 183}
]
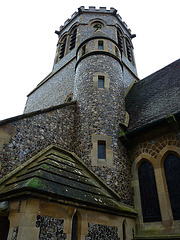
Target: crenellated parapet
[{"x": 95, "y": 10}]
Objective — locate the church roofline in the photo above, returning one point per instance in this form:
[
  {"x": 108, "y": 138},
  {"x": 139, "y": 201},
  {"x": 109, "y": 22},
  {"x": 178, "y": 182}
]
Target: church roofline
[
  {"x": 46, "y": 175},
  {"x": 30, "y": 114}
]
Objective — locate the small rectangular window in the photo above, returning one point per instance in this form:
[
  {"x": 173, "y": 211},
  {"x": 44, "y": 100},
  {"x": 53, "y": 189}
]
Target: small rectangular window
[
  {"x": 100, "y": 45},
  {"x": 101, "y": 149},
  {"x": 100, "y": 81}
]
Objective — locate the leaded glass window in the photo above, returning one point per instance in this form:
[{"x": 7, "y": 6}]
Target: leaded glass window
[
  {"x": 172, "y": 172},
  {"x": 148, "y": 191}
]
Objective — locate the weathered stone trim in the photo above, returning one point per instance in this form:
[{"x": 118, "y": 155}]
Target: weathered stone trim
[
  {"x": 98, "y": 53},
  {"x": 155, "y": 151},
  {"x": 106, "y": 81},
  {"x": 109, "y": 152}
]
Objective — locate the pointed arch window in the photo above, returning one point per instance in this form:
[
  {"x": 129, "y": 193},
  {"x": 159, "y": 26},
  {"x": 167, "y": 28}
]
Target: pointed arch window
[
  {"x": 124, "y": 229},
  {"x": 172, "y": 173},
  {"x": 73, "y": 39},
  {"x": 148, "y": 191},
  {"x": 74, "y": 234}
]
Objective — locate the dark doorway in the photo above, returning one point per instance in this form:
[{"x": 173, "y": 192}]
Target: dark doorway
[{"x": 4, "y": 228}]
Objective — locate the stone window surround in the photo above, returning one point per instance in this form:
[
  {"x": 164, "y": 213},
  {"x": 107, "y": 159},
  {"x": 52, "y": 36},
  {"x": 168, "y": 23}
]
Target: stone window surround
[
  {"x": 162, "y": 190},
  {"x": 106, "y": 81},
  {"x": 94, "y": 152},
  {"x": 69, "y": 98},
  {"x": 95, "y": 21}
]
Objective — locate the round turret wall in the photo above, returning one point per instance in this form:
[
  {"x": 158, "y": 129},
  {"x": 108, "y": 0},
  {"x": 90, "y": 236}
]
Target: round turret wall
[{"x": 100, "y": 109}]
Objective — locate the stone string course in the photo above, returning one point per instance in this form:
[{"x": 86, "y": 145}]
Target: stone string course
[{"x": 102, "y": 232}]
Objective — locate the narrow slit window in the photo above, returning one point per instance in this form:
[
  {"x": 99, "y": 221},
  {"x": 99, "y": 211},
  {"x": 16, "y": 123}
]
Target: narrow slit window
[
  {"x": 74, "y": 235},
  {"x": 100, "y": 81},
  {"x": 83, "y": 50},
  {"x": 116, "y": 52},
  {"x": 124, "y": 230},
  {"x": 100, "y": 45},
  {"x": 101, "y": 149}
]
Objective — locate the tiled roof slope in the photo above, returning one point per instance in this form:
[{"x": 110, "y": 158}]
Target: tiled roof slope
[
  {"x": 154, "y": 97},
  {"x": 60, "y": 175}
]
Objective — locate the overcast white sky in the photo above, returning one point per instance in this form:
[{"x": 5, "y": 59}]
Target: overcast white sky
[{"x": 28, "y": 42}]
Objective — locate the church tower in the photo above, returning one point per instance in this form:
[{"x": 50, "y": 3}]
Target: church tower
[
  {"x": 96, "y": 153},
  {"x": 94, "y": 66}
]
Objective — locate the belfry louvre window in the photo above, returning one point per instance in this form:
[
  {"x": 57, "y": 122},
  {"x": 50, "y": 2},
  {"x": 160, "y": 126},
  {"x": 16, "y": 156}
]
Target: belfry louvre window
[
  {"x": 129, "y": 53},
  {"x": 62, "y": 51},
  {"x": 148, "y": 191},
  {"x": 172, "y": 173},
  {"x": 73, "y": 40},
  {"x": 101, "y": 149},
  {"x": 120, "y": 41},
  {"x": 100, "y": 45},
  {"x": 100, "y": 81}
]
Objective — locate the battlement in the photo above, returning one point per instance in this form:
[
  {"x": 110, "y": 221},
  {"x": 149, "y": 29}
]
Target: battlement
[{"x": 93, "y": 9}]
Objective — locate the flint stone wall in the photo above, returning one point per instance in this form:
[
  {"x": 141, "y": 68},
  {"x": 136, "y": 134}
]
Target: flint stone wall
[
  {"x": 98, "y": 232},
  {"x": 100, "y": 112},
  {"x": 54, "y": 91},
  {"x": 21, "y": 139}
]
